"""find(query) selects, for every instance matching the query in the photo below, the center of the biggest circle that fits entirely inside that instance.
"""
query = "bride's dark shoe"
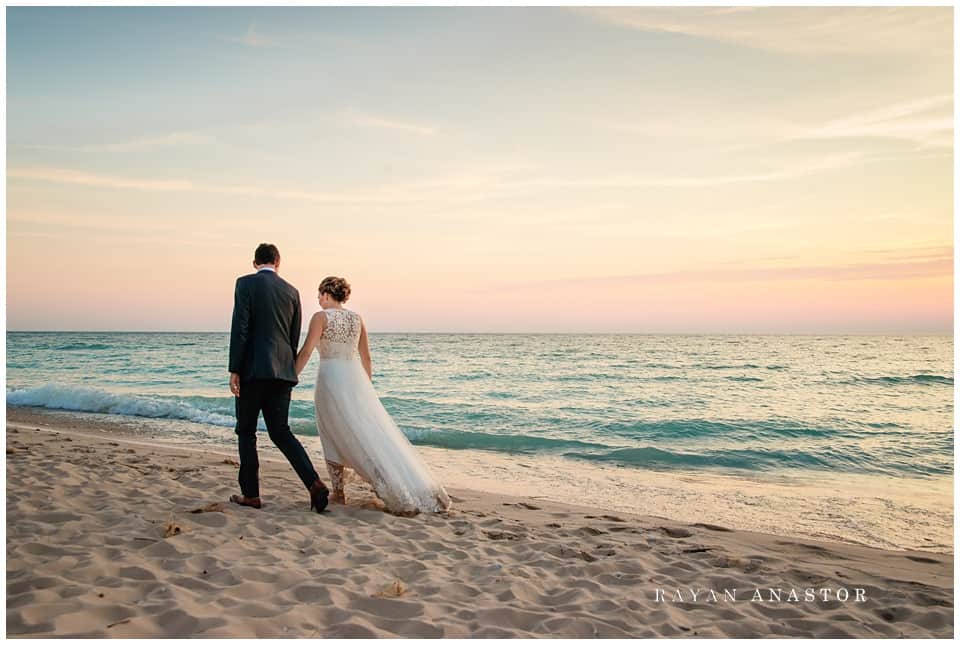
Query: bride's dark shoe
(253, 502)
(319, 496)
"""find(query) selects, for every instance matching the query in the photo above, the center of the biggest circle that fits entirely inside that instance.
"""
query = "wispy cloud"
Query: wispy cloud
(799, 30)
(173, 139)
(252, 38)
(729, 10)
(454, 188)
(927, 121)
(705, 126)
(296, 42)
(800, 169)
(369, 121)
(913, 253)
(893, 269)
(66, 176)
(387, 194)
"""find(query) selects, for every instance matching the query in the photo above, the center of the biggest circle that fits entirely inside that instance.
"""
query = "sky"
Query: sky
(638, 169)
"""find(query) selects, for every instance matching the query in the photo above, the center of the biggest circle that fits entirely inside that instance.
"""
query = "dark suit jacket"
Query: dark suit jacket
(265, 329)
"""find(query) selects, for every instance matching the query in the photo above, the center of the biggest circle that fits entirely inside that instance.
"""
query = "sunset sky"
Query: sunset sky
(664, 170)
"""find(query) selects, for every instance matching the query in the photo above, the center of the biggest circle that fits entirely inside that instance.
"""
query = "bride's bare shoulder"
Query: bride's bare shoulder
(363, 325)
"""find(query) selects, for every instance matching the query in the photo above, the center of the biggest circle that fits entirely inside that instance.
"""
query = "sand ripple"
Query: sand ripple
(87, 556)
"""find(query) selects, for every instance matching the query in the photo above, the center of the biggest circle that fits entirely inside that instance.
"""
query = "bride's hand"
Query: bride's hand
(315, 331)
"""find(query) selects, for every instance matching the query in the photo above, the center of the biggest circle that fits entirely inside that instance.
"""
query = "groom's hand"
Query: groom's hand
(235, 383)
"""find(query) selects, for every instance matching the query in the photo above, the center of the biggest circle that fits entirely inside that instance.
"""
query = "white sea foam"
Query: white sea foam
(83, 399)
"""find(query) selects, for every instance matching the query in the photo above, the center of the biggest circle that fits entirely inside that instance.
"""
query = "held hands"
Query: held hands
(235, 383)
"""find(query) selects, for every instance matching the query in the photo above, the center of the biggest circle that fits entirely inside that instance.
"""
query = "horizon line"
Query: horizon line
(517, 333)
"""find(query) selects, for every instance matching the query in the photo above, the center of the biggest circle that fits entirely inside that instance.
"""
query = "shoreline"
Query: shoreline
(861, 509)
(93, 550)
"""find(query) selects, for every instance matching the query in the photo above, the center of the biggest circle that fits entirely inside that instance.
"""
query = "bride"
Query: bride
(355, 429)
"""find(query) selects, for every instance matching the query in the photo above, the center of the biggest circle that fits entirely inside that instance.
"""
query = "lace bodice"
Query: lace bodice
(341, 334)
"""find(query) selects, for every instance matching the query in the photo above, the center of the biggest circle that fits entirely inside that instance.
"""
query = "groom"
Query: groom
(263, 345)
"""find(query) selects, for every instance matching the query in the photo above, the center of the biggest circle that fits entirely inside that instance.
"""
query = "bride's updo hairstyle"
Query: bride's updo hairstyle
(338, 288)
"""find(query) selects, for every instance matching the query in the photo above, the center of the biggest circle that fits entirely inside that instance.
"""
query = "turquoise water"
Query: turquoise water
(854, 404)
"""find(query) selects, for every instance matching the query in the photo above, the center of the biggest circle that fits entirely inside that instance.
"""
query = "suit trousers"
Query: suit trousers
(272, 397)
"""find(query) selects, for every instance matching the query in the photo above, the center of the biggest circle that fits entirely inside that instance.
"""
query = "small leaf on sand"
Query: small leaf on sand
(215, 507)
(529, 507)
(393, 590)
(675, 531)
(727, 562)
(589, 530)
(171, 529)
(232, 462)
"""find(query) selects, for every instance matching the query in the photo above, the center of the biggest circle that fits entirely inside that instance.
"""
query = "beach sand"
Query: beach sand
(103, 541)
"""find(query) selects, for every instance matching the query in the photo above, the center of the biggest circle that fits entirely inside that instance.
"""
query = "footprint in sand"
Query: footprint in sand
(920, 558)
(612, 518)
(562, 551)
(136, 573)
(675, 532)
(894, 614)
(605, 550)
(502, 535)
(589, 530)
(712, 527)
(926, 600)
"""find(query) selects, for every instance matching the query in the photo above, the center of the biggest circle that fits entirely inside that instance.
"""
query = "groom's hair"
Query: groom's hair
(266, 254)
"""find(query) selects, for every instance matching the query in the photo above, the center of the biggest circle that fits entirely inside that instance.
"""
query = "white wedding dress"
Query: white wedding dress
(356, 431)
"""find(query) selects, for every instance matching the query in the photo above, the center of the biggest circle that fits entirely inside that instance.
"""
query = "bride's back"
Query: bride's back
(341, 334)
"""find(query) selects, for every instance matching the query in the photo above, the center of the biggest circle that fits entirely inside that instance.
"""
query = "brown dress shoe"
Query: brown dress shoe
(252, 502)
(319, 495)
